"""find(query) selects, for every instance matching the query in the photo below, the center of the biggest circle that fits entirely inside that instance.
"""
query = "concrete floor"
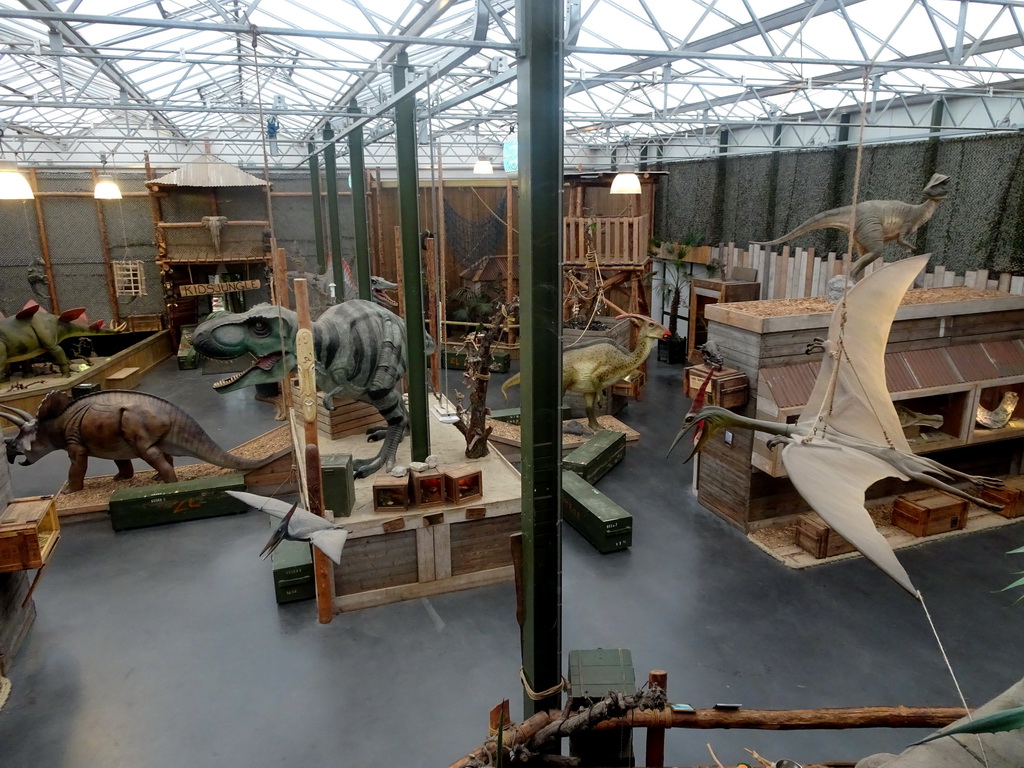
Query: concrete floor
(164, 647)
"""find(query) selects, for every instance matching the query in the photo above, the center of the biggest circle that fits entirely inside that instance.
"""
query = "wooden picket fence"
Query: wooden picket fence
(796, 273)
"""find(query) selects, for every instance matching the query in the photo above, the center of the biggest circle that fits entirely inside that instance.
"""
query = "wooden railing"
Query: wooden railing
(610, 240)
(796, 273)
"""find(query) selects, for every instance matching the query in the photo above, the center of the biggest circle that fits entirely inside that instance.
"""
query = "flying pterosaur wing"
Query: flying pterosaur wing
(304, 525)
(861, 405)
(833, 479)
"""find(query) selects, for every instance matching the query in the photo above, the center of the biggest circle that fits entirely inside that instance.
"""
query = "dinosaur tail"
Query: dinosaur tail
(513, 381)
(191, 440)
(837, 218)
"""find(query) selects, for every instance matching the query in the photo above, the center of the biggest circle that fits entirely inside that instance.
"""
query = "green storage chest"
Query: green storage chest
(175, 502)
(592, 675)
(293, 570)
(600, 520)
(597, 456)
(339, 483)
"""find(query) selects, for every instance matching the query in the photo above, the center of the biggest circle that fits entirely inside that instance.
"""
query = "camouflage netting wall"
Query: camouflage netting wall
(72, 230)
(760, 197)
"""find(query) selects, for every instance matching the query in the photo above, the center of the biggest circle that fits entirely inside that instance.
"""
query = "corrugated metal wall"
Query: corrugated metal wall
(979, 226)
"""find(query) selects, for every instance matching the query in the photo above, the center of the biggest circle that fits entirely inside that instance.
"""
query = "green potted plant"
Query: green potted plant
(673, 283)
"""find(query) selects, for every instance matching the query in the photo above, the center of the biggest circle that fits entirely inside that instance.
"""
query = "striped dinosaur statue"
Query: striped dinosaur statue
(360, 355)
(877, 222)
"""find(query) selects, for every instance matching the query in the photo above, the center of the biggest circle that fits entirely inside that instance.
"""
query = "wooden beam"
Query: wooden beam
(279, 286)
(44, 244)
(108, 268)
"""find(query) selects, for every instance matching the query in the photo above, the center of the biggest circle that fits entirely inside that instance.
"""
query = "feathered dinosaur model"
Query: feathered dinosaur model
(33, 331)
(848, 435)
(114, 424)
(591, 369)
(877, 222)
(360, 354)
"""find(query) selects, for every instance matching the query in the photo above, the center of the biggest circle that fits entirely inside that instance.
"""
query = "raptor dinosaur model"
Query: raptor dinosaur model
(114, 424)
(360, 355)
(877, 222)
(33, 331)
(848, 435)
(590, 369)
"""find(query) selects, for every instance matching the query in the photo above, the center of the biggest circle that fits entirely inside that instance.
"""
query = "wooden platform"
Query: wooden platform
(404, 554)
(509, 434)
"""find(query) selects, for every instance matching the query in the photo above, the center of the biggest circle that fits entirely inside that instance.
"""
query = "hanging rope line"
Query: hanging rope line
(254, 31)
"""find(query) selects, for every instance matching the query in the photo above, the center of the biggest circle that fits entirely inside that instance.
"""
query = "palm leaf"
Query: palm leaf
(1004, 720)
(1017, 583)
(1017, 551)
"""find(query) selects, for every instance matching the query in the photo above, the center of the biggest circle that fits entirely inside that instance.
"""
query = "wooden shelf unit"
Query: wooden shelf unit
(945, 356)
(705, 292)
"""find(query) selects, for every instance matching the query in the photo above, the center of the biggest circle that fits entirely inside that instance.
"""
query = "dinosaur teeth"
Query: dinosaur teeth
(264, 363)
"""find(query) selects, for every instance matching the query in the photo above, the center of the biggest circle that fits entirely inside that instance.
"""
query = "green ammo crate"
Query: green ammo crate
(339, 483)
(81, 390)
(592, 675)
(175, 502)
(293, 570)
(599, 520)
(597, 456)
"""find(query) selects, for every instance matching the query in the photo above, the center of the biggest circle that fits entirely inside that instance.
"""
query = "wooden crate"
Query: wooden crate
(338, 483)
(596, 457)
(145, 322)
(348, 417)
(17, 615)
(815, 536)
(728, 388)
(427, 488)
(123, 378)
(462, 484)
(600, 520)
(593, 673)
(1011, 496)
(175, 502)
(29, 531)
(390, 493)
(480, 545)
(377, 562)
(926, 513)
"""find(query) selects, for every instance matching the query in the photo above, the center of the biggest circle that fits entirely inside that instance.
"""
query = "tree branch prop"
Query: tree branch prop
(472, 423)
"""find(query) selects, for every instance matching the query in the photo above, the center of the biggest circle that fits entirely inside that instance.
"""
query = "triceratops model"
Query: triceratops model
(360, 355)
(114, 424)
(34, 330)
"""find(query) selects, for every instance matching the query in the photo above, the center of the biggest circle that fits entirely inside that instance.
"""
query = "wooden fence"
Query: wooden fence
(616, 241)
(796, 273)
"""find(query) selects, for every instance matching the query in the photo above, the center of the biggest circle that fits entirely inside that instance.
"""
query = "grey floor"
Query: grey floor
(164, 647)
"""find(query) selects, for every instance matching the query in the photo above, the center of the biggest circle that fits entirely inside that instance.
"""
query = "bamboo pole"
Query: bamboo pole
(108, 268)
(279, 286)
(44, 244)
(306, 365)
(508, 240)
(431, 271)
(398, 270)
(378, 251)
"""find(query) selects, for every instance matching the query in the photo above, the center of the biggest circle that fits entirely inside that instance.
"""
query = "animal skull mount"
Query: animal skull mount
(215, 224)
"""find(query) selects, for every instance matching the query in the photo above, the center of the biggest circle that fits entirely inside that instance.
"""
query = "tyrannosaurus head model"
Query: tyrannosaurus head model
(266, 332)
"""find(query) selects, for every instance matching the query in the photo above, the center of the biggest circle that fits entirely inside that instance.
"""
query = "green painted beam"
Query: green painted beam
(540, 276)
(318, 210)
(361, 228)
(412, 277)
(333, 217)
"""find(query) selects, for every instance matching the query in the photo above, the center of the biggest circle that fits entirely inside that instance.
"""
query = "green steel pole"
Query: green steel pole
(361, 228)
(318, 211)
(540, 279)
(333, 217)
(412, 277)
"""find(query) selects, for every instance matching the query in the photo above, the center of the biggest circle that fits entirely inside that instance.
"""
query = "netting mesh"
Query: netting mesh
(469, 240)
(979, 226)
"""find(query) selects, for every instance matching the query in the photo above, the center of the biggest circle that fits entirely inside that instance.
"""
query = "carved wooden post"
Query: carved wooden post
(655, 757)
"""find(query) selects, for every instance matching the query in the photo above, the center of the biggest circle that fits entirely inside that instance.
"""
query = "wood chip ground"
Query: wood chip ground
(818, 304)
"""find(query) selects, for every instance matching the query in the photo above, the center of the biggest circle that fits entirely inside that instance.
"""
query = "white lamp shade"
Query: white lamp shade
(625, 184)
(106, 188)
(13, 186)
(483, 167)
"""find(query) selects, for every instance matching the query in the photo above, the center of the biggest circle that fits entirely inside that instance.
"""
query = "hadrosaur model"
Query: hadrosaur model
(590, 369)
(848, 435)
(360, 354)
(33, 331)
(114, 424)
(877, 222)
(297, 524)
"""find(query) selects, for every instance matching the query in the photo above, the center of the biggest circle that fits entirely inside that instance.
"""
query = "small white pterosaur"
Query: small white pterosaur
(297, 524)
(848, 435)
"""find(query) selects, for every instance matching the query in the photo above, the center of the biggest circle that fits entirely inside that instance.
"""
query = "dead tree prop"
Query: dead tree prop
(478, 345)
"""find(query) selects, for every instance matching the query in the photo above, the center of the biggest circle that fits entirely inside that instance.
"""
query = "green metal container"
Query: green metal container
(597, 456)
(175, 502)
(339, 483)
(600, 520)
(593, 674)
(293, 570)
(81, 390)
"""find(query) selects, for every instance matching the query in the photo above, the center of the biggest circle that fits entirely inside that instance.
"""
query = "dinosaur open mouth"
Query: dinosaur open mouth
(264, 363)
(384, 297)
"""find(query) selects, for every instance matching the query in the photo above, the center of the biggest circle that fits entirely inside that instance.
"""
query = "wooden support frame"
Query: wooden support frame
(44, 244)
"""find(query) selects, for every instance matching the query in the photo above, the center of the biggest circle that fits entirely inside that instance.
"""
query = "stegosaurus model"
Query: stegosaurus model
(360, 355)
(877, 222)
(119, 425)
(34, 331)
